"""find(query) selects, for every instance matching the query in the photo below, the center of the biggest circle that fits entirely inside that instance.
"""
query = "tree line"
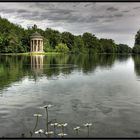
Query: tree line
(136, 48)
(15, 39)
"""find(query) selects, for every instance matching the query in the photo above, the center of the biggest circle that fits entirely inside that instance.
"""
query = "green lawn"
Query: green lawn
(32, 53)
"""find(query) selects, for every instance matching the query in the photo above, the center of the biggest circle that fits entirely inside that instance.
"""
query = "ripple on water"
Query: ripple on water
(4, 113)
(104, 109)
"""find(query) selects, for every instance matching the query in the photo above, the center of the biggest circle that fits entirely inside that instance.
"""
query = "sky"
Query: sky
(117, 21)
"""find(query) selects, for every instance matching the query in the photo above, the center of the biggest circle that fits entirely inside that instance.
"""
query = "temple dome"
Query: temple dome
(36, 35)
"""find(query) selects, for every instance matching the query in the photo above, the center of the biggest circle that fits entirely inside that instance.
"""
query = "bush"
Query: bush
(136, 49)
(61, 48)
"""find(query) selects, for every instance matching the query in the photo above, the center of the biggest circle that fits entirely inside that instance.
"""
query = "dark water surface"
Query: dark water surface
(101, 89)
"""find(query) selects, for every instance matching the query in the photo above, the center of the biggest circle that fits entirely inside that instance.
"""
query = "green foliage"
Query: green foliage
(136, 49)
(91, 43)
(3, 44)
(78, 42)
(89, 40)
(123, 48)
(68, 39)
(53, 36)
(137, 38)
(47, 46)
(62, 48)
(108, 45)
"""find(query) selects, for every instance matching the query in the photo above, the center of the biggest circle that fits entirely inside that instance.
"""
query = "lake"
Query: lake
(100, 89)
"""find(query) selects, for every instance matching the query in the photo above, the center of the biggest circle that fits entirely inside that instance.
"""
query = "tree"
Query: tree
(3, 44)
(137, 38)
(53, 36)
(68, 39)
(47, 46)
(88, 40)
(108, 45)
(91, 42)
(136, 49)
(78, 42)
(62, 48)
(123, 48)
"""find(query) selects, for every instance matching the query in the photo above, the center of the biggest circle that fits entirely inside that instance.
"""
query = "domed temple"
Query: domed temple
(36, 42)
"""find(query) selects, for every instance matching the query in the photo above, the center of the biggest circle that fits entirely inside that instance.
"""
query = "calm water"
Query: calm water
(101, 89)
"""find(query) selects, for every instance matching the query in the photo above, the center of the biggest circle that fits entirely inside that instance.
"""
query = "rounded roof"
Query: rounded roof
(36, 35)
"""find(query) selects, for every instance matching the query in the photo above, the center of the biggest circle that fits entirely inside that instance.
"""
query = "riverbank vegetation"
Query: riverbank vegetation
(15, 39)
(136, 48)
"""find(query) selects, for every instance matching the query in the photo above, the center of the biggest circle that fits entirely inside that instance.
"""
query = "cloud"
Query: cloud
(136, 8)
(7, 11)
(118, 15)
(125, 11)
(112, 9)
(22, 11)
(101, 19)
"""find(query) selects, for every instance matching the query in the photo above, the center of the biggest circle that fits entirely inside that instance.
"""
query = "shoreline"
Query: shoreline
(28, 53)
(58, 53)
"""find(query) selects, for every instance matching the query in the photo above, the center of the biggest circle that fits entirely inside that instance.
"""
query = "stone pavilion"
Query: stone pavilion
(36, 42)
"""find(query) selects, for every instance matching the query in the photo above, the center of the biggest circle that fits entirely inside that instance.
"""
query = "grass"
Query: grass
(32, 53)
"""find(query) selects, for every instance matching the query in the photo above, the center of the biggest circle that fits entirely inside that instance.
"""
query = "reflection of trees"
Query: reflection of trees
(106, 60)
(89, 62)
(136, 59)
(123, 57)
(13, 68)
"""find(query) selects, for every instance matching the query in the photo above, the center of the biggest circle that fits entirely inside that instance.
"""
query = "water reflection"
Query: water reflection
(14, 68)
(136, 59)
(37, 64)
(98, 90)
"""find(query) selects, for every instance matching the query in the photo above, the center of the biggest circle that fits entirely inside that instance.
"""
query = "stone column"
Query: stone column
(30, 45)
(39, 45)
(36, 45)
(42, 45)
(33, 45)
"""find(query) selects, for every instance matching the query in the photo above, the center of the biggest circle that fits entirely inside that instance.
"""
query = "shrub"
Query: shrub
(136, 49)
(61, 48)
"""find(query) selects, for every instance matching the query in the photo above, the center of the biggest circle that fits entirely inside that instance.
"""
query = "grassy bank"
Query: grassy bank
(56, 53)
(33, 53)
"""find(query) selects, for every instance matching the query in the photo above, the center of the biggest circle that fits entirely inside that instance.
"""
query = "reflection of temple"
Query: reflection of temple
(37, 64)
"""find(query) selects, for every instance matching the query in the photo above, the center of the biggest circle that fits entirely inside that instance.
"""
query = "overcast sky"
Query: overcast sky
(118, 21)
